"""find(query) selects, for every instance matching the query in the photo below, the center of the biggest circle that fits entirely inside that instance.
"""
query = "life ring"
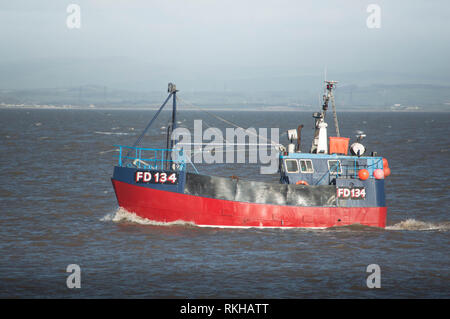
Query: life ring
(302, 183)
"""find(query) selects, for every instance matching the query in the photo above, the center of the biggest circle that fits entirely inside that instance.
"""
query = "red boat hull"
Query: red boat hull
(165, 206)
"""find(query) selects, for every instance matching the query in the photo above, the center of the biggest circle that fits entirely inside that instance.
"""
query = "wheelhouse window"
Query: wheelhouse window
(306, 166)
(291, 165)
(334, 166)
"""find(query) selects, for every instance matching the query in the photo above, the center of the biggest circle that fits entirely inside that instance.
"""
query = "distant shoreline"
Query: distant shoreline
(221, 109)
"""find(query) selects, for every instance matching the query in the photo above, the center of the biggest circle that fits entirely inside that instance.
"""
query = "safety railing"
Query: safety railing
(349, 168)
(151, 158)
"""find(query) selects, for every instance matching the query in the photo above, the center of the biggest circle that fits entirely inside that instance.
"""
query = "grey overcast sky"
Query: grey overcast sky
(217, 44)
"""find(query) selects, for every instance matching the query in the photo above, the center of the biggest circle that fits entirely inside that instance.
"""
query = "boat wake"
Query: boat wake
(412, 224)
(122, 215)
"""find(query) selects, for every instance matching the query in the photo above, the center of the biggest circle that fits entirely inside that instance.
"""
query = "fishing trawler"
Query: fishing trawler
(322, 188)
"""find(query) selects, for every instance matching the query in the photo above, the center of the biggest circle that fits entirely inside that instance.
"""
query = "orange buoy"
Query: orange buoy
(363, 174)
(385, 163)
(302, 183)
(378, 173)
(387, 171)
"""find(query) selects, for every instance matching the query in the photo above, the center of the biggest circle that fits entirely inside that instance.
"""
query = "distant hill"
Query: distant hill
(348, 97)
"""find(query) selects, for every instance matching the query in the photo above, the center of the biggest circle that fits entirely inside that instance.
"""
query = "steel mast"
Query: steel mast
(172, 89)
(326, 97)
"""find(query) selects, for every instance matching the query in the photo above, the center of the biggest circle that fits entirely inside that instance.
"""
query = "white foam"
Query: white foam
(412, 224)
(112, 150)
(122, 215)
(112, 133)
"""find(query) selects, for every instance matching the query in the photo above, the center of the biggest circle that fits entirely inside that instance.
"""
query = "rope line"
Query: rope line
(276, 145)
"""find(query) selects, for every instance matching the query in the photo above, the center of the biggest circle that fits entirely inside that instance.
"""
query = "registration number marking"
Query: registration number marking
(155, 177)
(351, 192)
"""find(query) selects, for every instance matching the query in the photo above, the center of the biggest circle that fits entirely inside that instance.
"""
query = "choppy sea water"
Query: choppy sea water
(57, 207)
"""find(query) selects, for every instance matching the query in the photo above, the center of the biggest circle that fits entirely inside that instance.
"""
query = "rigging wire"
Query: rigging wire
(275, 145)
(148, 125)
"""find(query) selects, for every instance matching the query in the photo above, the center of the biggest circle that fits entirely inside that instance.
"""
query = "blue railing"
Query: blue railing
(151, 158)
(350, 170)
